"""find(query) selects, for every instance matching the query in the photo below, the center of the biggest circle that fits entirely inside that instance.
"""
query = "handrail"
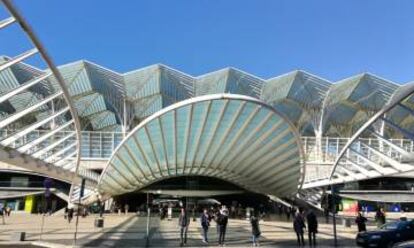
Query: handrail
(402, 95)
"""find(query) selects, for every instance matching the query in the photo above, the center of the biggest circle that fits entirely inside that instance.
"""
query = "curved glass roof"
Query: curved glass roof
(236, 138)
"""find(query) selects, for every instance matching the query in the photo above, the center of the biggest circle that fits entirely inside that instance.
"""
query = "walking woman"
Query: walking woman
(299, 225)
(254, 221)
(360, 221)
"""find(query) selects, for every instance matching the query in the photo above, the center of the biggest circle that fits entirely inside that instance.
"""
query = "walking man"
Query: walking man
(70, 214)
(360, 221)
(312, 227)
(205, 223)
(254, 221)
(298, 226)
(380, 217)
(183, 222)
(222, 220)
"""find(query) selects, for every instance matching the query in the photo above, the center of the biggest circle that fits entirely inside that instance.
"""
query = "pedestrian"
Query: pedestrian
(254, 221)
(66, 213)
(126, 209)
(101, 209)
(193, 212)
(70, 214)
(298, 226)
(287, 212)
(326, 214)
(280, 211)
(233, 211)
(380, 217)
(8, 210)
(205, 223)
(403, 216)
(183, 222)
(312, 227)
(222, 220)
(2, 213)
(360, 221)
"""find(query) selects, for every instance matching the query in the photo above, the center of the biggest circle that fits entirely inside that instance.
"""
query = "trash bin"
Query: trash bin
(346, 222)
(18, 236)
(99, 222)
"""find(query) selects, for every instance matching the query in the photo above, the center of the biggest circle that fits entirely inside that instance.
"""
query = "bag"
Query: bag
(220, 219)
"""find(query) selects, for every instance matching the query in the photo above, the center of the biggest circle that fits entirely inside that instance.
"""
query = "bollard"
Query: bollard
(18, 236)
(346, 222)
(99, 222)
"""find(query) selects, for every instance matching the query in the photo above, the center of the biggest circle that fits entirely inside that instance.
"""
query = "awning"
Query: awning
(235, 138)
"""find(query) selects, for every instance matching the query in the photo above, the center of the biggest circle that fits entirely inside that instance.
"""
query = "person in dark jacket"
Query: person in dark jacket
(312, 227)
(183, 222)
(288, 211)
(222, 220)
(205, 223)
(360, 221)
(380, 217)
(298, 226)
(70, 214)
(254, 221)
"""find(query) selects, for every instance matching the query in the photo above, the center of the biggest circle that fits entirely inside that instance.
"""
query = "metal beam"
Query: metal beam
(7, 141)
(42, 151)
(18, 58)
(25, 86)
(42, 138)
(6, 22)
(18, 115)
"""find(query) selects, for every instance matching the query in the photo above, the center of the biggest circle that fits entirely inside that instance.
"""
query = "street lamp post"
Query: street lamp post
(334, 214)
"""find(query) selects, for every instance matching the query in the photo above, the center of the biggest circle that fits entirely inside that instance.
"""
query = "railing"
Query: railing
(331, 146)
(320, 161)
(100, 145)
(94, 144)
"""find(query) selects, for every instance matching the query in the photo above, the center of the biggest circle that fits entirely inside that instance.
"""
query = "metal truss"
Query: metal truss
(42, 132)
(379, 155)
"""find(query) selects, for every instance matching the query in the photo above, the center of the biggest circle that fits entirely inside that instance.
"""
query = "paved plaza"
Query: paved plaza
(130, 231)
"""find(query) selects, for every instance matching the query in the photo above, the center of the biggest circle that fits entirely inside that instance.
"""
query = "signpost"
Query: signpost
(82, 190)
(334, 214)
(2, 213)
(47, 183)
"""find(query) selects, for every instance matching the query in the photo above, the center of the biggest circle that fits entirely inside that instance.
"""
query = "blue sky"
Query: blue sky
(332, 39)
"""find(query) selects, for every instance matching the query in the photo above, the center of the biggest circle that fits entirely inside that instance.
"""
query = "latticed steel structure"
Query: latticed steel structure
(107, 100)
(175, 124)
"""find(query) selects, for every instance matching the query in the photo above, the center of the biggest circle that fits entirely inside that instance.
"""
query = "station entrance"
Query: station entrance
(194, 193)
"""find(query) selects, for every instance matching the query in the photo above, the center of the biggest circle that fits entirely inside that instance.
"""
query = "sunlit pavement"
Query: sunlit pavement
(130, 231)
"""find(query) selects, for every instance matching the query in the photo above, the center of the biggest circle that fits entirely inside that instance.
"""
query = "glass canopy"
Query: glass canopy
(232, 137)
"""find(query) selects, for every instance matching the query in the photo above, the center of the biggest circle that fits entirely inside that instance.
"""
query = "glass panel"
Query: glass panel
(123, 168)
(157, 141)
(136, 153)
(198, 118)
(206, 137)
(222, 129)
(145, 144)
(168, 130)
(182, 131)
